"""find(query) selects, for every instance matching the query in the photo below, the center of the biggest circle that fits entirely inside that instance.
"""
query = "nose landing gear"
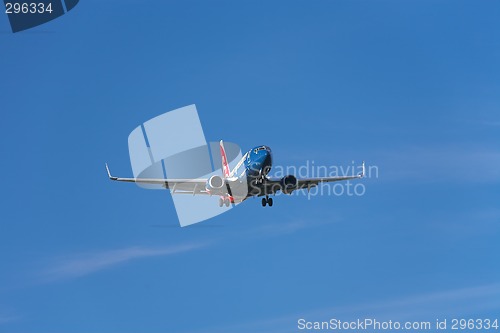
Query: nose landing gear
(267, 201)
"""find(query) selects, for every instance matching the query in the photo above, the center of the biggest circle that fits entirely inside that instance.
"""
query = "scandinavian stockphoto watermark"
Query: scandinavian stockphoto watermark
(310, 169)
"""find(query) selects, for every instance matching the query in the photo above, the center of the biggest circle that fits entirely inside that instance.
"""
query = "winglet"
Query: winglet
(362, 174)
(109, 173)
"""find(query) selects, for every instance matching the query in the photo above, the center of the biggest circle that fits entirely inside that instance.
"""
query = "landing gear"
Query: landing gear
(267, 201)
(224, 201)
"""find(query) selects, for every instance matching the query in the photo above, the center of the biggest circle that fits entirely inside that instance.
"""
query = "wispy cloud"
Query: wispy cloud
(84, 264)
(4, 318)
(78, 265)
(461, 301)
(437, 164)
(491, 123)
(466, 223)
(430, 306)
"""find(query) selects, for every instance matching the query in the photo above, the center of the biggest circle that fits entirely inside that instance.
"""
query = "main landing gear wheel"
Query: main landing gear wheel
(224, 201)
(267, 201)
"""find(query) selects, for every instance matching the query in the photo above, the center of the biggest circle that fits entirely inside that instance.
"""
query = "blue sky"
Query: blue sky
(409, 86)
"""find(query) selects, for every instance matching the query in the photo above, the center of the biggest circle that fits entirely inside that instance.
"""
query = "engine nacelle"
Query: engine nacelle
(289, 184)
(215, 184)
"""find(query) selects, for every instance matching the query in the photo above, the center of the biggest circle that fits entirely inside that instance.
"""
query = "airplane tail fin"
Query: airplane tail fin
(225, 165)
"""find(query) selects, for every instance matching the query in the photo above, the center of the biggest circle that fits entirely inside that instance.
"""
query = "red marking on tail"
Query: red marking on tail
(225, 165)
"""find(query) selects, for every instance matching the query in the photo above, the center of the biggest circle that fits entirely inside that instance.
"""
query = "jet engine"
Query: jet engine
(289, 184)
(215, 184)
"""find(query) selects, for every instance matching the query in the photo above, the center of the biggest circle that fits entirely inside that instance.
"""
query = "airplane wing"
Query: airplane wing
(178, 186)
(271, 185)
(309, 182)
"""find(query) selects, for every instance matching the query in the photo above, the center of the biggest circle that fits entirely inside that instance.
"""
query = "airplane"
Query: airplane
(249, 178)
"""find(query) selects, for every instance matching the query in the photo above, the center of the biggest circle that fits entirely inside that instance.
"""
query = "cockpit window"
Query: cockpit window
(259, 149)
